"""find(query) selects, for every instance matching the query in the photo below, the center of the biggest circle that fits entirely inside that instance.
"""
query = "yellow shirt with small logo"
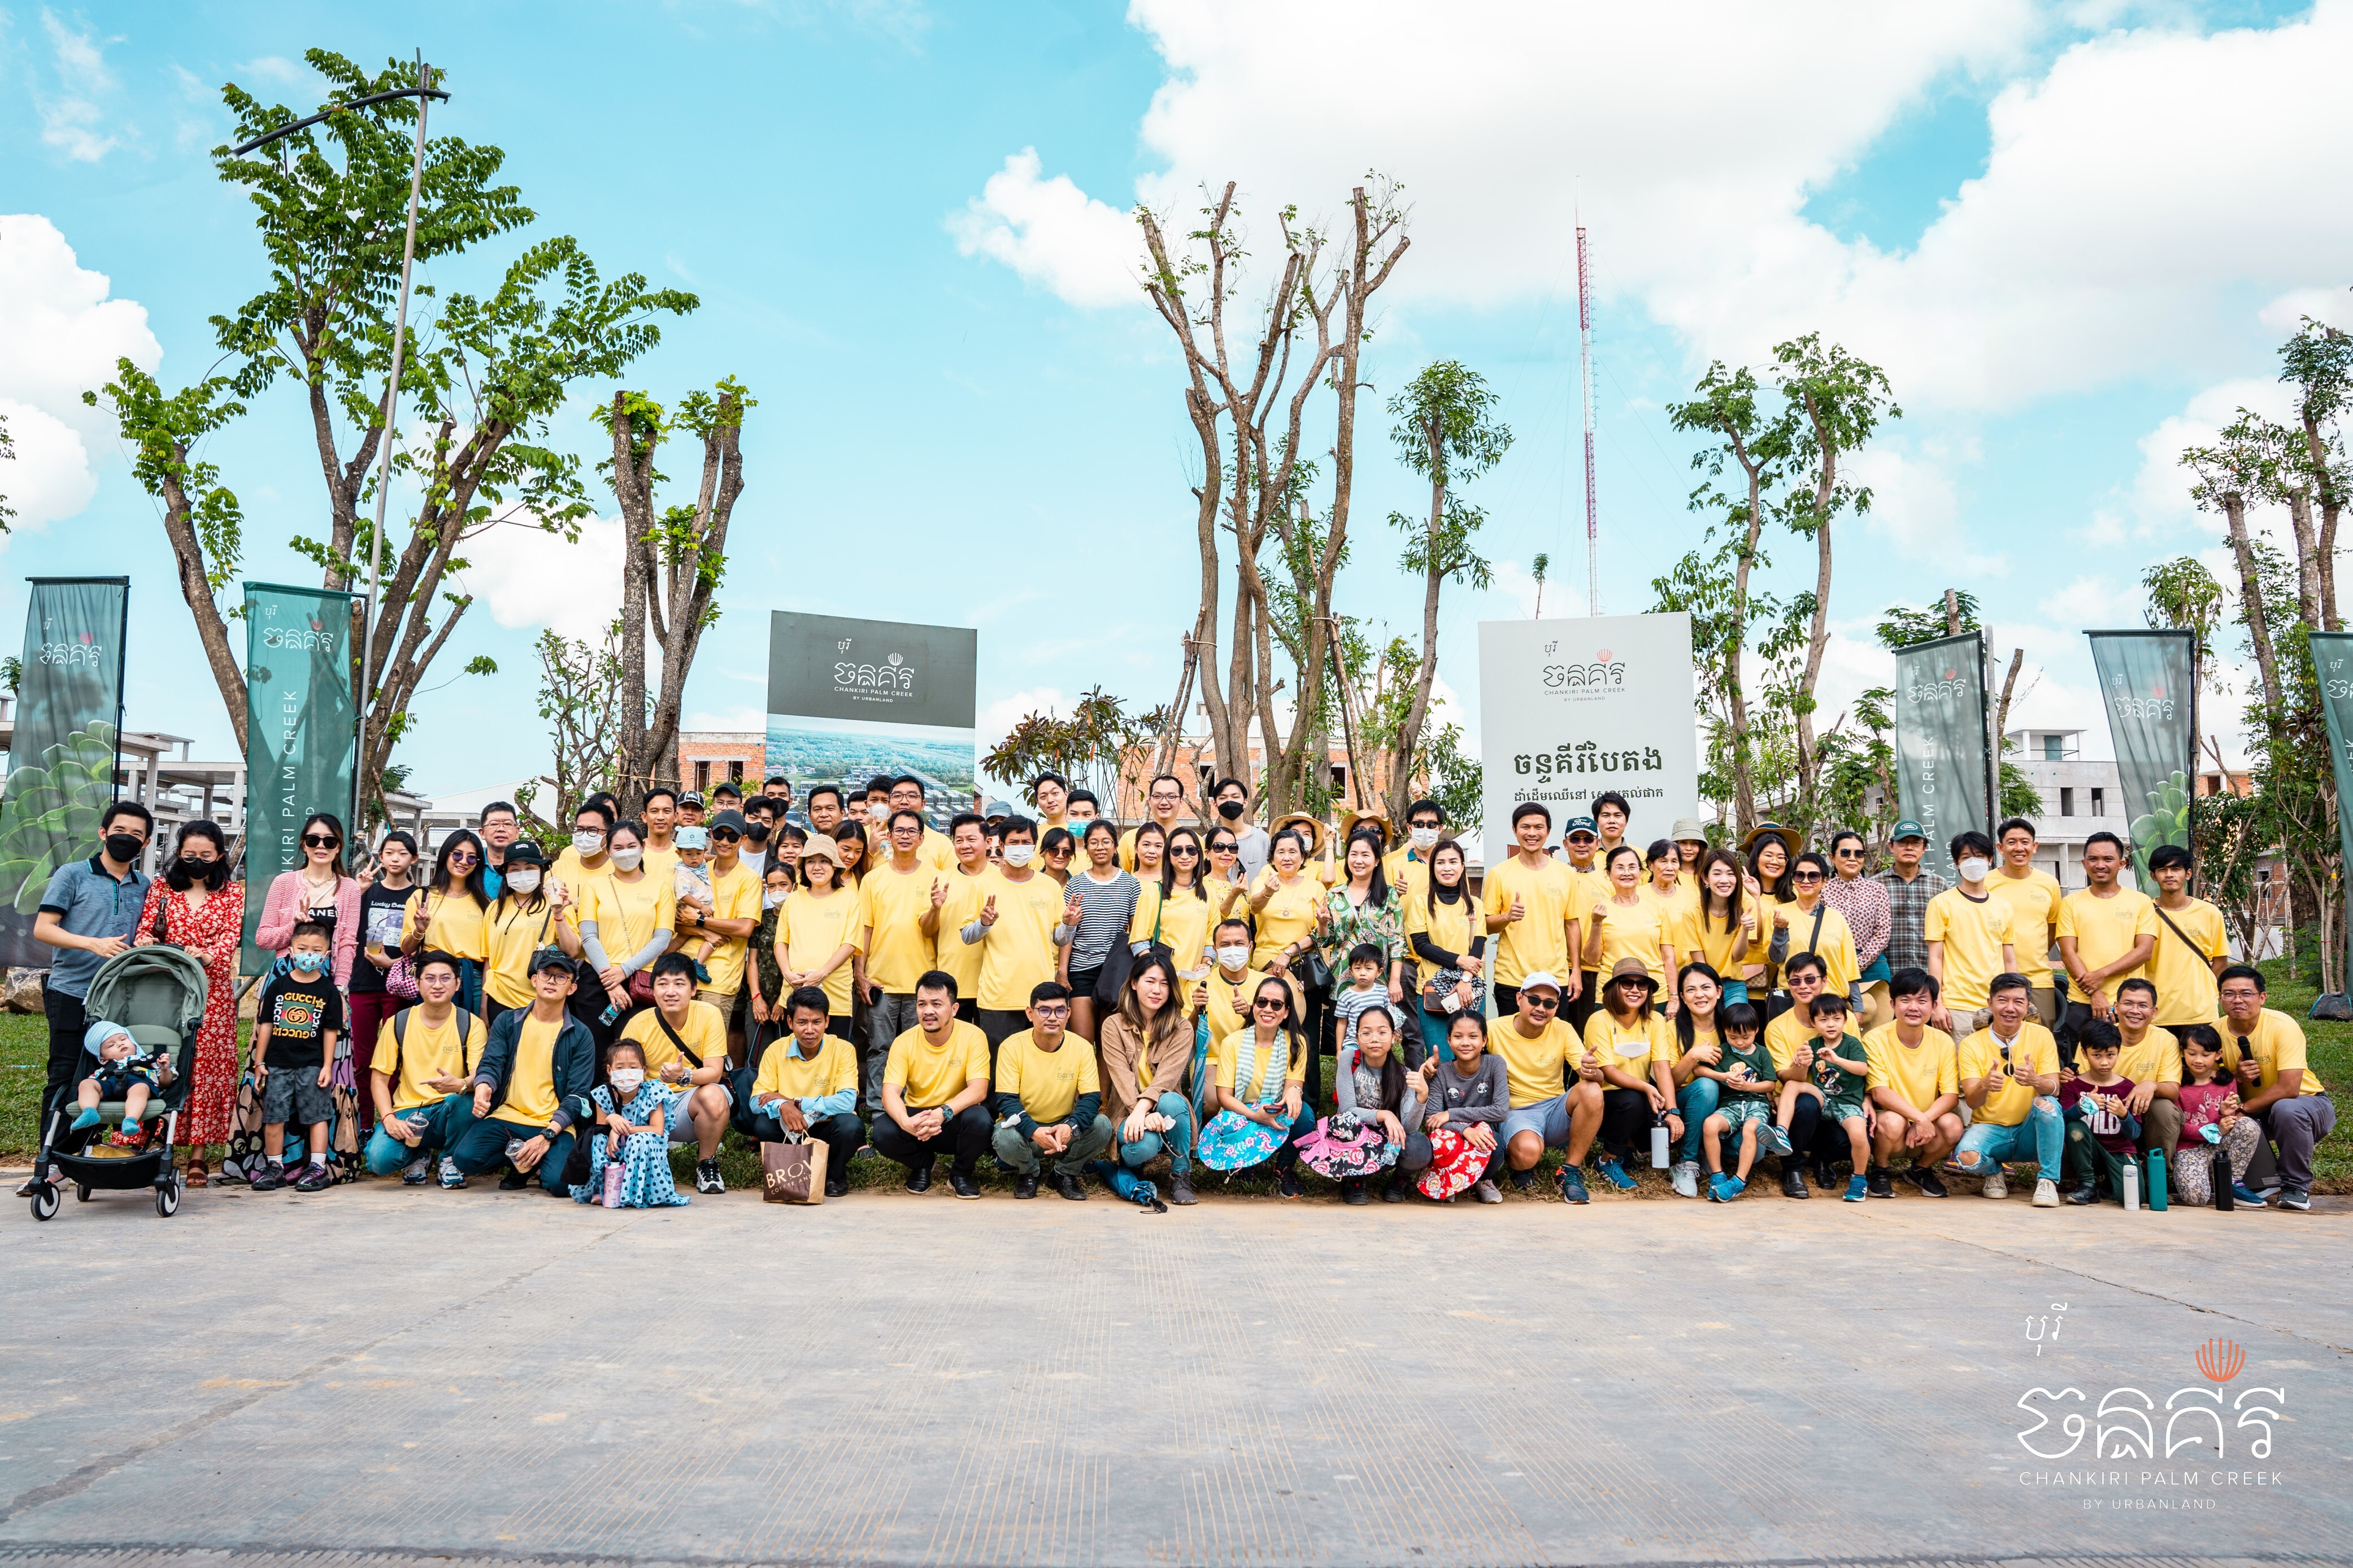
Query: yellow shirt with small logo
(1048, 1082)
(2277, 1044)
(530, 1085)
(1537, 941)
(705, 1032)
(1972, 931)
(1536, 1069)
(2183, 972)
(833, 1069)
(1919, 1073)
(2106, 930)
(2034, 901)
(2157, 1060)
(2033, 1055)
(928, 1076)
(1632, 1048)
(432, 1051)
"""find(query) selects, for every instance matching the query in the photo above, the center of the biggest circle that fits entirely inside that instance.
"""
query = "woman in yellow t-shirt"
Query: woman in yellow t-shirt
(1445, 930)
(1626, 924)
(521, 920)
(1767, 884)
(446, 915)
(1667, 886)
(626, 917)
(1635, 1048)
(1719, 926)
(1285, 899)
(814, 935)
(1222, 878)
(1174, 908)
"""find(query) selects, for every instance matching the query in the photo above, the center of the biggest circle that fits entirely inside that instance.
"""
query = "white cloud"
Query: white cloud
(1053, 234)
(277, 68)
(527, 577)
(2160, 489)
(71, 120)
(49, 478)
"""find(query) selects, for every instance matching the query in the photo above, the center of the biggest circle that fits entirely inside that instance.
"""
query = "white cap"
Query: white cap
(1543, 978)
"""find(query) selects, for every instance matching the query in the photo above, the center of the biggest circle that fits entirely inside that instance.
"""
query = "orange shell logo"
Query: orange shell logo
(2221, 1360)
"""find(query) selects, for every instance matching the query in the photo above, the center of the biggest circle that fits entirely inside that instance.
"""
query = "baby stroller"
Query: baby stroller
(157, 993)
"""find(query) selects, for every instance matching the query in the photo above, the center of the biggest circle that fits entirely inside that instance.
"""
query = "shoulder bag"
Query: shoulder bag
(400, 980)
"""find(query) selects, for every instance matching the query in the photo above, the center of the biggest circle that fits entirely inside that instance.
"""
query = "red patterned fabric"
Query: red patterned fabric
(213, 934)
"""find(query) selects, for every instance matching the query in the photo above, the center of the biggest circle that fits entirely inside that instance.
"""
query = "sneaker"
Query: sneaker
(269, 1178)
(919, 1180)
(1180, 1192)
(1875, 1182)
(1026, 1185)
(1353, 1194)
(1777, 1140)
(1487, 1192)
(961, 1184)
(1996, 1186)
(1287, 1186)
(1572, 1185)
(1716, 1180)
(415, 1172)
(1394, 1192)
(314, 1179)
(2245, 1197)
(1857, 1189)
(1523, 1180)
(1925, 1180)
(1733, 1187)
(706, 1177)
(1069, 1187)
(2085, 1194)
(1685, 1177)
(1615, 1174)
(2293, 1198)
(452, 1178)
(2046, 1193)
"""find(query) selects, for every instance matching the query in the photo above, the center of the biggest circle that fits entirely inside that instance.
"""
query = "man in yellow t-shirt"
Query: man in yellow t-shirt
(1164, 799)
(2193, 945)
(2276, 1084)
(2034, 898)
(2151, 1058)
(2106, 932)
(808, 1084)
(1408, 866)
(1531, 900)
(531, 1086)
(1580, 851)
(734, 916)
(935, 849)
(969, 834)
(2010, 1079)
(1786, 1040)
(1048, 1098)
(684, 1043)
(1553, 1083)
(1914, 1087)
(1020, 932)
(1972, 932)
(934, 1092)
(424, 1063)
(897, 927)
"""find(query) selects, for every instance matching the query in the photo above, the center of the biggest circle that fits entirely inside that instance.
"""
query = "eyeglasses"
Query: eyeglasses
(320, 841)
(1052, 1009)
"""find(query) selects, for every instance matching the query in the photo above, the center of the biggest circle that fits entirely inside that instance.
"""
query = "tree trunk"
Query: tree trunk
(1401, 795)
(2324, 482)
(633, 486)
(2001, 708)
(2307, 554)
(1744, 774)
(2250, 604)
(1819, 640)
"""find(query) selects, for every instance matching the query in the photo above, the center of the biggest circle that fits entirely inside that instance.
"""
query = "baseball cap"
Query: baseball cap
(1907, 828)
(691, 838)
(1541, 980)
(1579, 825)
(551, 957)
(693, 798)
(729, 821)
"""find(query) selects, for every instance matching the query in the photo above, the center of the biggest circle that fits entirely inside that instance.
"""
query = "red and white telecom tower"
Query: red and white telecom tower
(1585, 368)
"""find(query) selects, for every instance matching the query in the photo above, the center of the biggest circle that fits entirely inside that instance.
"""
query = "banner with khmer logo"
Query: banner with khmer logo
(61, 758)
(302, 739)
(1570, 709)
(1942, 762)
(2144, 686)
(851, 698)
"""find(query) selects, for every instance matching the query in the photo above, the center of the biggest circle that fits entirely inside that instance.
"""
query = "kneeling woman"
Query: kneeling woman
(1635, 1048)
(1379, 1099)
(1147, 1046)
(634, 1111)
(1262, 1078)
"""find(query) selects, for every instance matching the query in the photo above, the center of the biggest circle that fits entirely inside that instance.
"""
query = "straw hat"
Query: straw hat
(1313, 826)
(1351, 820)
(1787, 836)
(1633, 969)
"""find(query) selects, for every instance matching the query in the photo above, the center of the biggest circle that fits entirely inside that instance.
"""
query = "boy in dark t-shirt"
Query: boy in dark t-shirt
(295, 1027)
(2102, 1134)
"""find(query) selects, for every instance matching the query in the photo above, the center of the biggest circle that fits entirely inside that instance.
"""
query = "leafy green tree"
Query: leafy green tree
(2241, 467)
(2318, 360)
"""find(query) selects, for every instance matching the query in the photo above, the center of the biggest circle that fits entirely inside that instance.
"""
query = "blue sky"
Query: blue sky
(2075, 236)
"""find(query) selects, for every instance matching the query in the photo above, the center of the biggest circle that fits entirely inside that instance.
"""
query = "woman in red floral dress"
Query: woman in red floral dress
(202, 910)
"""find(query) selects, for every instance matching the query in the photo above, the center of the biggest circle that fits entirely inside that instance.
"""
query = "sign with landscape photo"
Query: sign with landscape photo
(851, 698)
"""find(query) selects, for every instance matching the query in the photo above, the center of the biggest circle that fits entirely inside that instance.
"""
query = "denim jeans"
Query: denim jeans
(1695, 1103)
(1984, 1147)
(1178, 1140)
(442, 1121)
(1024, 1158)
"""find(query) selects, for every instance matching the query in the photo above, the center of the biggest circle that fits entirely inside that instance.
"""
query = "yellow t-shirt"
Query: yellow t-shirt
(705, 1032)
(831, 1071)
(1784, 1034)
(950, 951)
(2034, 901)
(1919, 1073)
(1018, 950)
(810, 930)
(1703, 938)
(1048, 1082)
(2157, 1060)
(1538, 940)
(512, 934)
(891, 905)
(430, 1053)
(1973, 931)
(928, 1076)
(1632, 1048)
(1536, 1067)
(1632, 931)
(454, 923)
(1679, 905)
(1217, 888)
(1271, 1066)
(2031, 1054)
(734, 896)
(629, 913)
(2184, 973)
(1183, 925)
(1288, 916)
(2105, 928)
(661, 861)
(937, 850)
(2277, 1044)
(1835, 947)
(530, 1085)
(1407, 870)
(1452, 925)
(1228, 1008)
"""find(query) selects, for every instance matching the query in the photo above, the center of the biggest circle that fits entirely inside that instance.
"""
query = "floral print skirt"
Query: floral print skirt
(1348, 1145)
(1454, 1165)
(1232, 1142)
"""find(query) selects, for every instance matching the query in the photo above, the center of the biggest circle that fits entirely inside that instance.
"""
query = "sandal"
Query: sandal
(195, 1175)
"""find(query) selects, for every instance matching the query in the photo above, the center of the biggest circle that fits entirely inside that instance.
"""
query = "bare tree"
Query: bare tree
(2319, 361)
(579, 696)
(2240, 464)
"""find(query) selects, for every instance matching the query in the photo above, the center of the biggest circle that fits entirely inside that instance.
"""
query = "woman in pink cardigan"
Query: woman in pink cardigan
(320, 890)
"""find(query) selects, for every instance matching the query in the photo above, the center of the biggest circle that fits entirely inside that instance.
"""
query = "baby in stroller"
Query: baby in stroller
(122, 1073)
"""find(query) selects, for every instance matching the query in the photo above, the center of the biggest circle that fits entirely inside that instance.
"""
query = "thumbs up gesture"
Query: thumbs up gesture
(1519, 910)
(988, 910)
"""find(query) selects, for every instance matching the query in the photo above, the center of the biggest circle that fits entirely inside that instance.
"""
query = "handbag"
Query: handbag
(792, 1171)
(1120, 962)
(400, 980)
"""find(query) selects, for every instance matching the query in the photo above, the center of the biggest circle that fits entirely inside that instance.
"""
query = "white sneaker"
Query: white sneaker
(1685, 1177)
(1488, 1193)
(1998, 1184)
(2046, 1193)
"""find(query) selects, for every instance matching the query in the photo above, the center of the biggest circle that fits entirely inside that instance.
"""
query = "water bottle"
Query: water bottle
(2157, 1177)
(2132, 1184)
(2221, 1165)
(612, 1184)
(612, 1011)
(1658, 1143)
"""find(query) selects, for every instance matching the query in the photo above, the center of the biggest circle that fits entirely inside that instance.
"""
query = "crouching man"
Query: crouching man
(808, 1085)
(1049, 1098)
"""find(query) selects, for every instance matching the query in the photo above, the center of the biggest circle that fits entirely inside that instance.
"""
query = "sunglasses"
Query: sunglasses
(1807, 876)
(320, 841)
(1187, 850)
(462, 857)
(1275, 1002)
(1539, 1000)
(1850, 854)
(724, 837)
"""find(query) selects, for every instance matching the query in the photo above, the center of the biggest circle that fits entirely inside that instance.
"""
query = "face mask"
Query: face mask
(878, 815)
(627, 859)
(772, 898)
(1231, 810)
(124, 845)
(523, 880)
(587, 844)
(1018, 855)
(1974, 869)
(211, 873)
(625, 1081)
(309, 963)
(757, 832)
(1424, 837)
(1233, 957)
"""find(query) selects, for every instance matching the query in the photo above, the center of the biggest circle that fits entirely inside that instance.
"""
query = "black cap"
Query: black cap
(727, 822)
(524, 852)
(550, 957)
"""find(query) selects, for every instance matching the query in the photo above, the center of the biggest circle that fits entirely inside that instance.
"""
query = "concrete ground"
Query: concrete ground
(380, 1375)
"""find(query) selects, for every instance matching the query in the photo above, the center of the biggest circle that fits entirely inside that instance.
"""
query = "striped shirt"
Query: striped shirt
(1104, 911)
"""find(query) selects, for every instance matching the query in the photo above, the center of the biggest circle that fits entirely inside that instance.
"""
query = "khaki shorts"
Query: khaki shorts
(2046, 1005)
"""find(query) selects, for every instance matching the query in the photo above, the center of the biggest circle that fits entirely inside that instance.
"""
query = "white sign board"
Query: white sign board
(1570, 709)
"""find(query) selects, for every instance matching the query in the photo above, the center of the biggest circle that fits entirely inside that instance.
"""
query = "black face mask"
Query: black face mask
(187, 873)
(1231, 810)
(124, 847)
(758, 832)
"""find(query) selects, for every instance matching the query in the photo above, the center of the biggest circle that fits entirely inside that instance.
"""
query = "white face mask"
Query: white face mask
(523, 880)
(1974, 869)
(878, 815)
(1424, 837)
(627, 1080)
(772, 898)
(627, 859)
(1018, 855)
(1233, 957)
(588, 843)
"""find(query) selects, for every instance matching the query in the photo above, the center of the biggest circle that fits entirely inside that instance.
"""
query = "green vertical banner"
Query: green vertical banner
(2332, 662)
(2145, 684)
(1943, 768)
(61, 760)
(301, 732)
